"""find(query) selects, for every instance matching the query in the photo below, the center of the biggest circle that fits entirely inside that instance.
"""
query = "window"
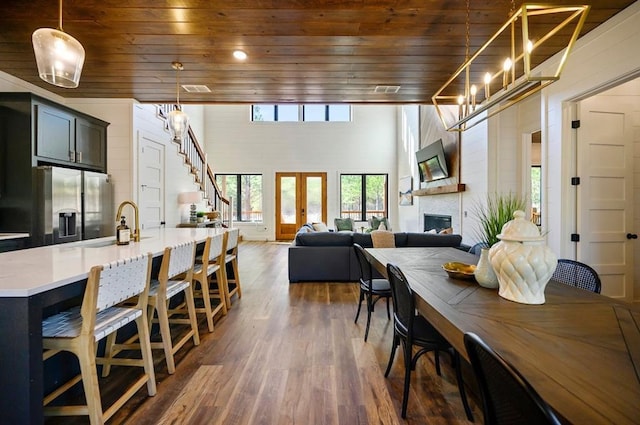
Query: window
(363, 196)
(245, 191)
(296, 113)
(334, 113)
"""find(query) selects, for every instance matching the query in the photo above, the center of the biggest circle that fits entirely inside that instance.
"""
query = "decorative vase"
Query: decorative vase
(522, 261)
(484, 273)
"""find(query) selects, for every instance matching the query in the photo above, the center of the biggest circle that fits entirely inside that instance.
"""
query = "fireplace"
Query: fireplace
(438, 222)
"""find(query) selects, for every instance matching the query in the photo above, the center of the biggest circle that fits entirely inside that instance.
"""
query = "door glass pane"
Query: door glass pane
(376, 192)
(288, 200)
(314, 199)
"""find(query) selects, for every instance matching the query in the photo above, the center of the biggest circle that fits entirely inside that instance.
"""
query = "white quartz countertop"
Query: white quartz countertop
(31, 271)
(5, 236)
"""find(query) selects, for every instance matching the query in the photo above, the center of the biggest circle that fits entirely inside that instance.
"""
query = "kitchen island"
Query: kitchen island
(35, 283)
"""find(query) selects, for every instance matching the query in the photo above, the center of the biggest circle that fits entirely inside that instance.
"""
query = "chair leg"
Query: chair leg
(393, 354)
(145, 350)
(191, 308)
(236, 275)
(407, 378)
(108, 353)
(436, 354)
(388, 311)
(206, 299)
(359, 305)
(369, 310)
(86, 356)
(165, 332)
(463, 393)
(219, 282)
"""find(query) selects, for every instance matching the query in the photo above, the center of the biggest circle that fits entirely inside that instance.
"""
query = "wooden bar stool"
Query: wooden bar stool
(79, 329)
(231, 257)
(177, 261)
(212, 259)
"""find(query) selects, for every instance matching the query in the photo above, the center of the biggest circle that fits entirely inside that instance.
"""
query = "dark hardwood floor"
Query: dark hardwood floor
(288, 354)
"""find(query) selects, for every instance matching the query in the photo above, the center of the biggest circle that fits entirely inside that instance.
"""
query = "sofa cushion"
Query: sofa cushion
(431, 240)
(324, 239)
(401, 239)
(383, 239)
(320, 227)
(363, 239)
(343, 224)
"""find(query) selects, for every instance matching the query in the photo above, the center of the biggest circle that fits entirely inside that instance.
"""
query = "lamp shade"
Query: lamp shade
(178, 123)
(59, 57)
(189, 197)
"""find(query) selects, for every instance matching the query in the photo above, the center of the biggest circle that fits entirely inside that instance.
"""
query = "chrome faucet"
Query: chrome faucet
(135, 235)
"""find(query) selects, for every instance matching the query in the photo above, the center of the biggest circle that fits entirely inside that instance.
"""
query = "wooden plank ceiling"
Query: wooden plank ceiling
(303, 51)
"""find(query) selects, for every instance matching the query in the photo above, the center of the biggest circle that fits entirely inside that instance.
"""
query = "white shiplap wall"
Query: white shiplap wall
(367, 144)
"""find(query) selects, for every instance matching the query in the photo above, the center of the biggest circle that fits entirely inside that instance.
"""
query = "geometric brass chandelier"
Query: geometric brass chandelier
(481, 88)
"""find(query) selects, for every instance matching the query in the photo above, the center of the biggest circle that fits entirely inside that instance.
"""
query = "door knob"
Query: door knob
(632, 236)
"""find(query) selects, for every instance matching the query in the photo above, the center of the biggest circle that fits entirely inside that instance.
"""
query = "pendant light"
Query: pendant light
(177, 121)
(59, 56)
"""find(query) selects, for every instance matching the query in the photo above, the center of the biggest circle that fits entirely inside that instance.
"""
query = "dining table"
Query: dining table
(579, 350)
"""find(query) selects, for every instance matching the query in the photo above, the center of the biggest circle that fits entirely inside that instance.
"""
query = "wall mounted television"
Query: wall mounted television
(432, 162)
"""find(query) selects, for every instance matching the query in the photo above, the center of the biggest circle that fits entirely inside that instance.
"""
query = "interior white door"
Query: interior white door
(605, 193)
(151, 182)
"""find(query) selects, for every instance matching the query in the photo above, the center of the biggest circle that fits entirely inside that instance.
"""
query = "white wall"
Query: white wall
(605, 55)
(408, 143)
(366, 145)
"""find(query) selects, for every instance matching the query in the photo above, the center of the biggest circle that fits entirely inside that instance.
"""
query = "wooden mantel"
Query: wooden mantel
(439, 190)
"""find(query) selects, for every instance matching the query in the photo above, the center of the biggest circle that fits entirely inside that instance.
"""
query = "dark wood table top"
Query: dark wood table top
(579, 350)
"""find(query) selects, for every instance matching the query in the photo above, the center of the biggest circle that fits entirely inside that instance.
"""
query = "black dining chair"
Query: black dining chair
(414, 330)
(371, 289)
(575, 273)
(507, 397)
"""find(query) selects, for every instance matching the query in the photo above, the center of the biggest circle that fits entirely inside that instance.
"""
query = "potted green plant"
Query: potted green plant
(200, 216)
(492, 215)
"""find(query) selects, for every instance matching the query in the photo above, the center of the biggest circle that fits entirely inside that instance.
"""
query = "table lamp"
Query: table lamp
(190, 198)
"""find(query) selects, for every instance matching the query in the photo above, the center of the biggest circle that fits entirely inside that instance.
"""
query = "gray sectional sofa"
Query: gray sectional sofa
(329, 256)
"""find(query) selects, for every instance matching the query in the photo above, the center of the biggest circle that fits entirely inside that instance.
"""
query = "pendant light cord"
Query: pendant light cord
(178, 87)
(468, 30)
(60, 16)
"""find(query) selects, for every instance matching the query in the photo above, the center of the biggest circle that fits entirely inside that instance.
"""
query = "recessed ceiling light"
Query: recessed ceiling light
(240, 54)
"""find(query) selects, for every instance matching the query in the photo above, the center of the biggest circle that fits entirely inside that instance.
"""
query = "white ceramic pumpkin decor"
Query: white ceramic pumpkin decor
(522, 261)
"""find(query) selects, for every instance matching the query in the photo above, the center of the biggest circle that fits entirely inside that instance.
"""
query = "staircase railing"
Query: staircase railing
(196, 159)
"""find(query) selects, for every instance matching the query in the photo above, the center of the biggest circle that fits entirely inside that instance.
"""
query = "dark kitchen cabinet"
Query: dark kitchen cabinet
(35, 131)
(64, 137)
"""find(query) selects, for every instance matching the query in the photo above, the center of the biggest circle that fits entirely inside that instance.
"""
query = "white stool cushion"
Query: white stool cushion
(173, 287)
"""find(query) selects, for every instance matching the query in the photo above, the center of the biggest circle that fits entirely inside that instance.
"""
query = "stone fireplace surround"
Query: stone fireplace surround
(441, 205)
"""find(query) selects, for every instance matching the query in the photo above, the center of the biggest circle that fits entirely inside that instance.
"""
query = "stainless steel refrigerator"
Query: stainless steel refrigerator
(73, 205)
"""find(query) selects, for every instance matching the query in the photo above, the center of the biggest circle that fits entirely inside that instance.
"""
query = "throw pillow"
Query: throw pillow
(382, 226)
(383, 239)
(447, 231)
(320, 227)
(343, 224)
